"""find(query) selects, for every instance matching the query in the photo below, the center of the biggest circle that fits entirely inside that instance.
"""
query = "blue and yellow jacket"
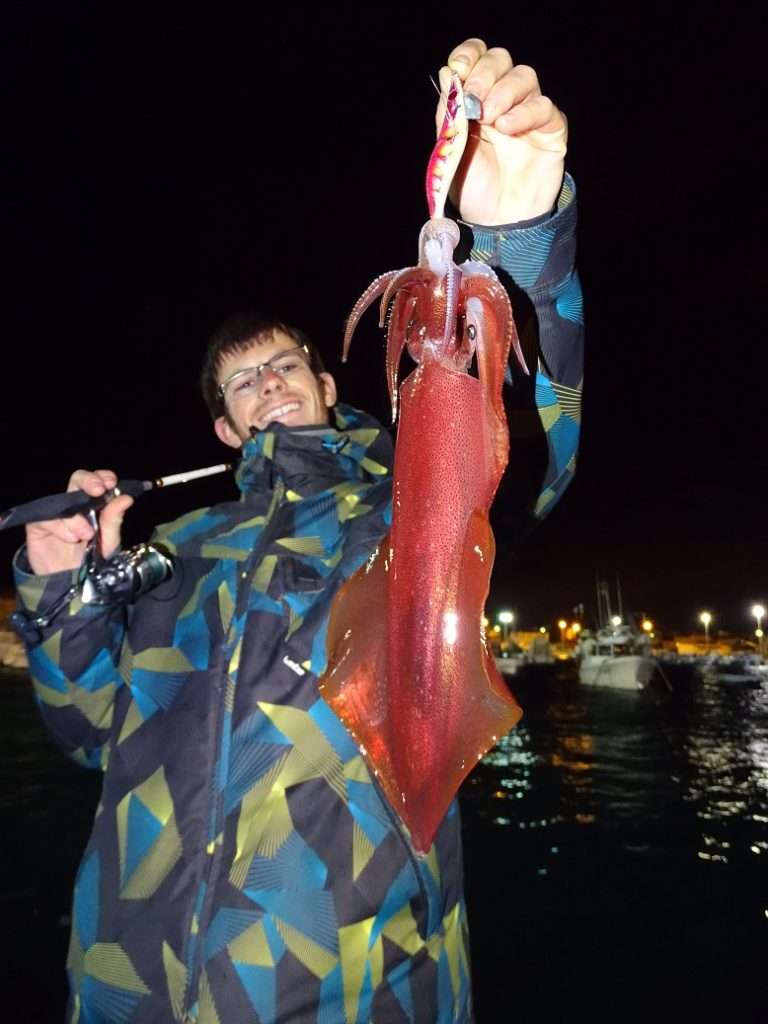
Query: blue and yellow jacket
(243, 864)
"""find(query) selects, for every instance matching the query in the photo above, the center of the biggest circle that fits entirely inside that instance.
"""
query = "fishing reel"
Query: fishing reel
(124, 577)
(103, 582)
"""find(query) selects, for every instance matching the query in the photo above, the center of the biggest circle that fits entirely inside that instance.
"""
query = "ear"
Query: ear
(226, 432)
(328, 384)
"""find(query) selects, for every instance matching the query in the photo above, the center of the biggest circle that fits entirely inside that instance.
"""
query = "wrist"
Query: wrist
(521, 206)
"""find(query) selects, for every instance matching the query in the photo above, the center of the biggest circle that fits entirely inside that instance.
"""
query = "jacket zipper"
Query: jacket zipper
(412, 855)
(194, 960)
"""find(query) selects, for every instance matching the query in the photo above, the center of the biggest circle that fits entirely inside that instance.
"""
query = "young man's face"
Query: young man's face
(285, 392)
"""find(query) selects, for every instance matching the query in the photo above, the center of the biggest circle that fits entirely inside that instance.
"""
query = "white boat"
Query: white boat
(540, 651)
(617, 657)
(747, 670)
(508, 662)
(755, 664)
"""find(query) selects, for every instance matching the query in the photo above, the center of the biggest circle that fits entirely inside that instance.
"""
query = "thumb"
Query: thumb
(110, 523)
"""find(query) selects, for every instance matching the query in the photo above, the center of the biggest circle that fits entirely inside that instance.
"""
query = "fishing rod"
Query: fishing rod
(73, 503)
(121, 579)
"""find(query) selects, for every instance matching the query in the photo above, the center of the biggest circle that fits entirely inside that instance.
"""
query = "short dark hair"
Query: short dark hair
(237, 333)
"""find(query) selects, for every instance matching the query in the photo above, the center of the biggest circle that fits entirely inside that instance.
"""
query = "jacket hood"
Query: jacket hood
(315, 458)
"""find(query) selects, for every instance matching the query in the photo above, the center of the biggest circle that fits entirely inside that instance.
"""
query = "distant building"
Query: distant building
(721, 643)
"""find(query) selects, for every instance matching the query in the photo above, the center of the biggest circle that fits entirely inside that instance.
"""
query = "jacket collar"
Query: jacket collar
(312, 459)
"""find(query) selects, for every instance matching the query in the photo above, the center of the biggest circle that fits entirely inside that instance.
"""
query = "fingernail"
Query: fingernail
(472, 107)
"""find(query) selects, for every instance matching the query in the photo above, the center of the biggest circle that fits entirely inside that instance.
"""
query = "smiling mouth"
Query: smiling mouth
(277, 412)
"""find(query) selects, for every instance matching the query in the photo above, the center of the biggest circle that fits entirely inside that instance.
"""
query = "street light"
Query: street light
(561, 625)
(705, 618)
(759, 612)
(616, 621)
(506, 618)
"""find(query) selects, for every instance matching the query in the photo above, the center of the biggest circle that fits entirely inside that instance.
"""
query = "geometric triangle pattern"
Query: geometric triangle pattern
(148, 841)
(244, 865)
(560, 414)
(535, 263)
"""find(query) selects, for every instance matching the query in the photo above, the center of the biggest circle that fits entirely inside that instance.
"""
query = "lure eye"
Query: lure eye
(471, 332)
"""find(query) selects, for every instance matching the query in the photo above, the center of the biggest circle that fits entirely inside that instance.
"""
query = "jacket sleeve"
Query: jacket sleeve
(536, 261)
(73, 661)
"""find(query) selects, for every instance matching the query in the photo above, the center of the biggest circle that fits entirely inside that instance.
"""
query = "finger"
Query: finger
(107, 476)
(111, 522)
(93, 482)
(464, 57)
(115, 510)
(71, 531)
(537, 114)
(516, 85)
(492, 66)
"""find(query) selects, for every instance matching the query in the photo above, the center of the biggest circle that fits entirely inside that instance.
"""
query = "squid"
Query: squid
(409, 671)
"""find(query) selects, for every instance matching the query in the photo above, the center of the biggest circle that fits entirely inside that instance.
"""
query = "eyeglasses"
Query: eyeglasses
(243, 382)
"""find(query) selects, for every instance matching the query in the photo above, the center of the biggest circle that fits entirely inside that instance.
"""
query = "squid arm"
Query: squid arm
(371, 293)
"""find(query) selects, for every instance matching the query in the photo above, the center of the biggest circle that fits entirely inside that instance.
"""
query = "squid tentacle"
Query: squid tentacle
(371, 293)
(492, 342)
(473, 271)
(403, 308)
(405, 277)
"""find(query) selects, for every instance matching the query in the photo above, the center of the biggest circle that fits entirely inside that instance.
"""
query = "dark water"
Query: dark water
(616, 850)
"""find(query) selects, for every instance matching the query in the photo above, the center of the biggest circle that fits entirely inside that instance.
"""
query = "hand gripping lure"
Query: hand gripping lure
(409, 671)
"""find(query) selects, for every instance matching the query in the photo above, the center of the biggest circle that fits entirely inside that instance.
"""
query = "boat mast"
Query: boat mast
(603, 603)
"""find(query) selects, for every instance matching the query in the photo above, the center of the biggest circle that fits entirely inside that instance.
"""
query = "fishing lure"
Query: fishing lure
(409, 670)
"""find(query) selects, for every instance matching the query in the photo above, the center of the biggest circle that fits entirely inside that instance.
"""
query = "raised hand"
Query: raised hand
(59, 544)
(512, 167)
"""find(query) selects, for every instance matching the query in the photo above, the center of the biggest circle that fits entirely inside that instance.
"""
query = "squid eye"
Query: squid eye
(471, 332)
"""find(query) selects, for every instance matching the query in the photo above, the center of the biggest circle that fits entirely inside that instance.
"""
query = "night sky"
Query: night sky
(169, 168)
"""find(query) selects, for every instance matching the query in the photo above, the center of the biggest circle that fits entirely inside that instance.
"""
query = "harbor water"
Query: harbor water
(616, 847)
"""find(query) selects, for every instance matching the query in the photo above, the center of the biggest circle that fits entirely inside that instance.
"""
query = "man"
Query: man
(244, 865)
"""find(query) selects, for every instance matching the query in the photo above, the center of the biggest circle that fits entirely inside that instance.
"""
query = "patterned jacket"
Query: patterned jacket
(243, 865)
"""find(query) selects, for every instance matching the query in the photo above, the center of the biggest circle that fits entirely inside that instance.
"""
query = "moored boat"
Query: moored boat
(746, 670)
(617, 657)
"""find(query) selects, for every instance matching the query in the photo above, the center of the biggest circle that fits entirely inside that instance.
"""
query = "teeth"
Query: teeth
(281, 410)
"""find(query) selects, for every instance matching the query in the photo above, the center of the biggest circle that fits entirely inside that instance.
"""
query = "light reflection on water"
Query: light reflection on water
(658, 770)
(622, 838)
(615, 851)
